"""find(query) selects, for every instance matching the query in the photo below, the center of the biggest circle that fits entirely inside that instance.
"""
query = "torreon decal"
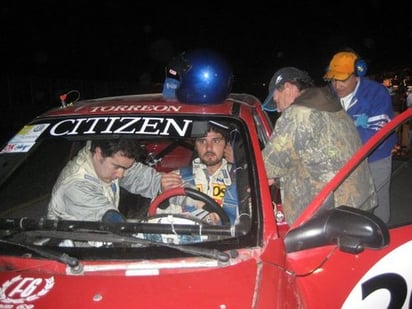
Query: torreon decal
(136, 108)
(120, 125)
(20, 290)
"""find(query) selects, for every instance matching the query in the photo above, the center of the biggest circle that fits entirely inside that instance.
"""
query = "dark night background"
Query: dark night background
(132, 41)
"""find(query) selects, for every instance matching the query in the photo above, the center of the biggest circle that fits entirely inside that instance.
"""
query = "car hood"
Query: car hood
(231, 286)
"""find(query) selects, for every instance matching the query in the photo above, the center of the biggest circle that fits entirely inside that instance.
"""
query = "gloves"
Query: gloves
(362, 121)
(113, 216)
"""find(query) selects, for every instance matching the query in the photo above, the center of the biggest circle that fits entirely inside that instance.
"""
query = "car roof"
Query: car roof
(151, 104)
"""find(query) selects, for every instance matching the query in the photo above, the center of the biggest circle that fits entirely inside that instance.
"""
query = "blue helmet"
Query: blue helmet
(204, 77)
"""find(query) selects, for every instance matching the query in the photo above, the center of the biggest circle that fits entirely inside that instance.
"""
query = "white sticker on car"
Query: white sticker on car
(121, 125)
(25, 138)
(20, 290)
(388, 284)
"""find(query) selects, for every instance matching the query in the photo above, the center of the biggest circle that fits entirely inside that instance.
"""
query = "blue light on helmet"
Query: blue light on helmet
(204, 77)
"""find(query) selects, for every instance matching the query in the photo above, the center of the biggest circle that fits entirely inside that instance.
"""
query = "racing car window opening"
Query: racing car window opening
(27, 191)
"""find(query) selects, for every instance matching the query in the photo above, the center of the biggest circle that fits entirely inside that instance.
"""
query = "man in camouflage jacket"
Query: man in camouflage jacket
(312, 139)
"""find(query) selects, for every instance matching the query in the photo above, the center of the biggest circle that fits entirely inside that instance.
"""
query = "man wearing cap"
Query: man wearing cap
(370, 105)
(312, 139)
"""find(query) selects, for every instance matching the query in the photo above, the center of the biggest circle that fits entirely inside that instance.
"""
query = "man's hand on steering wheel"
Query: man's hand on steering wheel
(170, 180)
(210, 204)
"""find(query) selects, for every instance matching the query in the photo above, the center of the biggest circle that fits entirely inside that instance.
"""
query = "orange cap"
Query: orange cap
(341, 66)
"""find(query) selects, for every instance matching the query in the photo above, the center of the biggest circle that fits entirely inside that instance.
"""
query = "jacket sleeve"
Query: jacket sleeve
(85, 200)
(280, 149)
(377, 104)
(142, 179)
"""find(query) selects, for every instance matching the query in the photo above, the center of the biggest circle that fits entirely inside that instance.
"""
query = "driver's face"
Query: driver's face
(211, 148)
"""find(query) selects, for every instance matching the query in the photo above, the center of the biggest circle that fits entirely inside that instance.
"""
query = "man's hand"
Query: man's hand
(362, 121)
(228, 153)
(274, 181)
(170, 180)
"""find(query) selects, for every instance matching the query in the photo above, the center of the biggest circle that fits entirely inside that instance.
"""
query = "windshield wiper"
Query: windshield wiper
(80, 230)
(70, 261)
(101, 236)
(9, 225)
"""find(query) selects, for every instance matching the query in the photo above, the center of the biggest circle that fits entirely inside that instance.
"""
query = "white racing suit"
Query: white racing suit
(220, 186)
(79, 194)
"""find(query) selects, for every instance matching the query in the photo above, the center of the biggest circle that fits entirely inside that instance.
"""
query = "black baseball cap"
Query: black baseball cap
(288, 74)
(281, 76)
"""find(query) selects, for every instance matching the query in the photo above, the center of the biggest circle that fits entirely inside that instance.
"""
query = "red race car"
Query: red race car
(342, 258)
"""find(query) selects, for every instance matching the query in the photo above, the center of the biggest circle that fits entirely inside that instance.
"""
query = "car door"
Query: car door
(336, 274)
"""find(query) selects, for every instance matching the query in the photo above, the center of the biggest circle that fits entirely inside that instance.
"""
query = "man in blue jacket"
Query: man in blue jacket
(370, 105)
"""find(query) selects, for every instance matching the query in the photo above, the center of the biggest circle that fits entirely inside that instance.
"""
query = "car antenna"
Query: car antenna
(64, 96)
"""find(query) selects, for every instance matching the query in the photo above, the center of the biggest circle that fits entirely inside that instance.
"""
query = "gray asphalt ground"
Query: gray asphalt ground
(401, 190)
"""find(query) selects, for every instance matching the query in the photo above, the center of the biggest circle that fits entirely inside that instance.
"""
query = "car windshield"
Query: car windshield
(32, 161)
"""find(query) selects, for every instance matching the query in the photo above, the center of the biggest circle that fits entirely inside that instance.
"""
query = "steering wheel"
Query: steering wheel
(210, 204)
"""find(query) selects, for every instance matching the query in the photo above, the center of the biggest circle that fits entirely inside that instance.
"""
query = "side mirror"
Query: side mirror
(351, 229)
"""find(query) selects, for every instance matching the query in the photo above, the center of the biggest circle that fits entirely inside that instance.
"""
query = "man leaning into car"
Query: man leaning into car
(88, 186)
(312, 139)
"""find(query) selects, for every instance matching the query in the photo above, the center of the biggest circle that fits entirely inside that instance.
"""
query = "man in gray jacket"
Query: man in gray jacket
(88, 186)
